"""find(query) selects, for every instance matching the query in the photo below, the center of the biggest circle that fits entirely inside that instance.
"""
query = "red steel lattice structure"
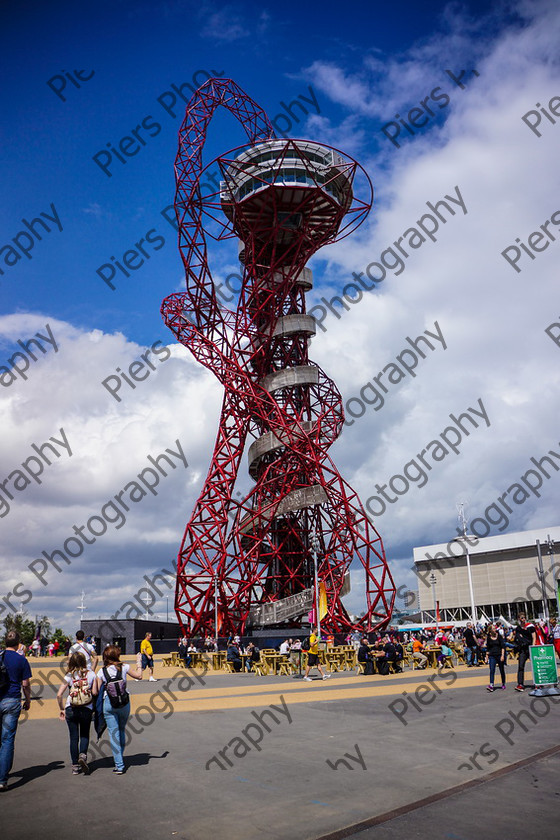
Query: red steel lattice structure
(283, 199)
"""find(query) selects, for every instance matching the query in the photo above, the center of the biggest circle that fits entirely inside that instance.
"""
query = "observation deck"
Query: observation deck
(301, 169)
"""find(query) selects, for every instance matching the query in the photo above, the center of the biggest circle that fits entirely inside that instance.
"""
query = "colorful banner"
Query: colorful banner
(322, 601)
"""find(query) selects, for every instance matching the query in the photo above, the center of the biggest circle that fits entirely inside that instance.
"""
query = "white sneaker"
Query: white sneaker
(307, 679)
(327, 676)
(152, 679)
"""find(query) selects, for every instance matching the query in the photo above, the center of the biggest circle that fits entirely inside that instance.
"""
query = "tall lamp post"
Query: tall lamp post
(463, 522)
(315, 552)
(433, 581)
(555, 580)
(541, 576)
(216, 610)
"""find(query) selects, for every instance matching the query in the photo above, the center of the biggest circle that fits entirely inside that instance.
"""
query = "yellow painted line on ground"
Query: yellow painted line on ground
(199, 700)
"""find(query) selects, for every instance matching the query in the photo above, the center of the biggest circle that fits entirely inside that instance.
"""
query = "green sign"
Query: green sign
(543, 660)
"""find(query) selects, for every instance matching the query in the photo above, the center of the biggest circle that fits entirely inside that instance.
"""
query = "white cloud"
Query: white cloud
(493, 318)
(110, 443)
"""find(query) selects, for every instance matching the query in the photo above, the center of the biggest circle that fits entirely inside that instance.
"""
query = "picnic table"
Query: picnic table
(274, 661)
(432, 653)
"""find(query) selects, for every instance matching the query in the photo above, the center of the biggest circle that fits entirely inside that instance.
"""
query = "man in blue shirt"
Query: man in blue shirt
(19, 674)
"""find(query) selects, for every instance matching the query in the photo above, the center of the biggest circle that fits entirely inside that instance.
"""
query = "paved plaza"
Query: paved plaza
(216, 755)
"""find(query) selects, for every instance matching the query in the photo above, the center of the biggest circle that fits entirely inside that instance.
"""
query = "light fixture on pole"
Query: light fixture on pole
(145, 599)
(82, 607)
(315, 552)
(541, 576)
(216, 610)
(463, 521)
(433, 581)
(555, 579)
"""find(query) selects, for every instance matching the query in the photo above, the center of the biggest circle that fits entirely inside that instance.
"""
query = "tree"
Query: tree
(59, 636)
(45, 625)
(24, 626)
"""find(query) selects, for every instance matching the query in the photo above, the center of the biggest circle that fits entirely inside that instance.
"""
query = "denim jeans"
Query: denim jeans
(523, 657)
(78, 719)
(493, 661)
(116, 726)
(10, 710)
(471, 655)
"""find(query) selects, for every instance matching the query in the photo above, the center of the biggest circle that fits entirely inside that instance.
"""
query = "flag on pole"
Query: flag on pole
(322, 600)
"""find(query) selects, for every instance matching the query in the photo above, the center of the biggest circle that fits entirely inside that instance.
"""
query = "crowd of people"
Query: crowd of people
(43, 647)
(488, 644)
(100, 696)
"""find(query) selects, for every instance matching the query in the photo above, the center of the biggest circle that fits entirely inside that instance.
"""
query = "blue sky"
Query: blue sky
(363, 67)
(137, 51)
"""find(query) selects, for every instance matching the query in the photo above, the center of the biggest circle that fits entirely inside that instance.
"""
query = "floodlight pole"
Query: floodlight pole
(433, 580)
(314, 550)
(216, 610)
(555, 580)
(463, 522)
(543, 584)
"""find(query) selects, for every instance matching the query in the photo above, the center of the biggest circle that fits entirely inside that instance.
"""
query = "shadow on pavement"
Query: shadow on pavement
(28, 774)
(137, 760)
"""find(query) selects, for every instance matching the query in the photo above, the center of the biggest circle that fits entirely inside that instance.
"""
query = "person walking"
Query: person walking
(81, 684)
(471, 646)
(111, 680)
(524, 637)
(496, 652)
(148, 656)
(17, 677)
(80, 646)
(313, 657)
(555, 635)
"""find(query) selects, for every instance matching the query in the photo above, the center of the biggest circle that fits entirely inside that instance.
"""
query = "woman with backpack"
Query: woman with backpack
(111, 681)
(78, 711)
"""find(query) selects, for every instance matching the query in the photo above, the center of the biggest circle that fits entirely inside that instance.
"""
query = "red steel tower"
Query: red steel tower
(283, 200)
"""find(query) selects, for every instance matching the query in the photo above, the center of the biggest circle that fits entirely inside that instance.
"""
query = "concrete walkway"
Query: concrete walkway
(240, 756)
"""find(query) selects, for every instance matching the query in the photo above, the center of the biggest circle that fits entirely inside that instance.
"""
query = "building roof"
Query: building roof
(490, 545)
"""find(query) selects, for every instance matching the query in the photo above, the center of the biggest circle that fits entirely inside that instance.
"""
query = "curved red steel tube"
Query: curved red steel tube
(258, 549)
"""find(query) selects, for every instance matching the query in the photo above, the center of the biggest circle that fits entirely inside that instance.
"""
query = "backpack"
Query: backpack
(4, 676)
(80, 691)
(305, 643)
(116, 689)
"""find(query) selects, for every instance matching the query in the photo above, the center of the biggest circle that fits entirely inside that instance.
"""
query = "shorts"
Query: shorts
(312, 659)
(147, 661)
